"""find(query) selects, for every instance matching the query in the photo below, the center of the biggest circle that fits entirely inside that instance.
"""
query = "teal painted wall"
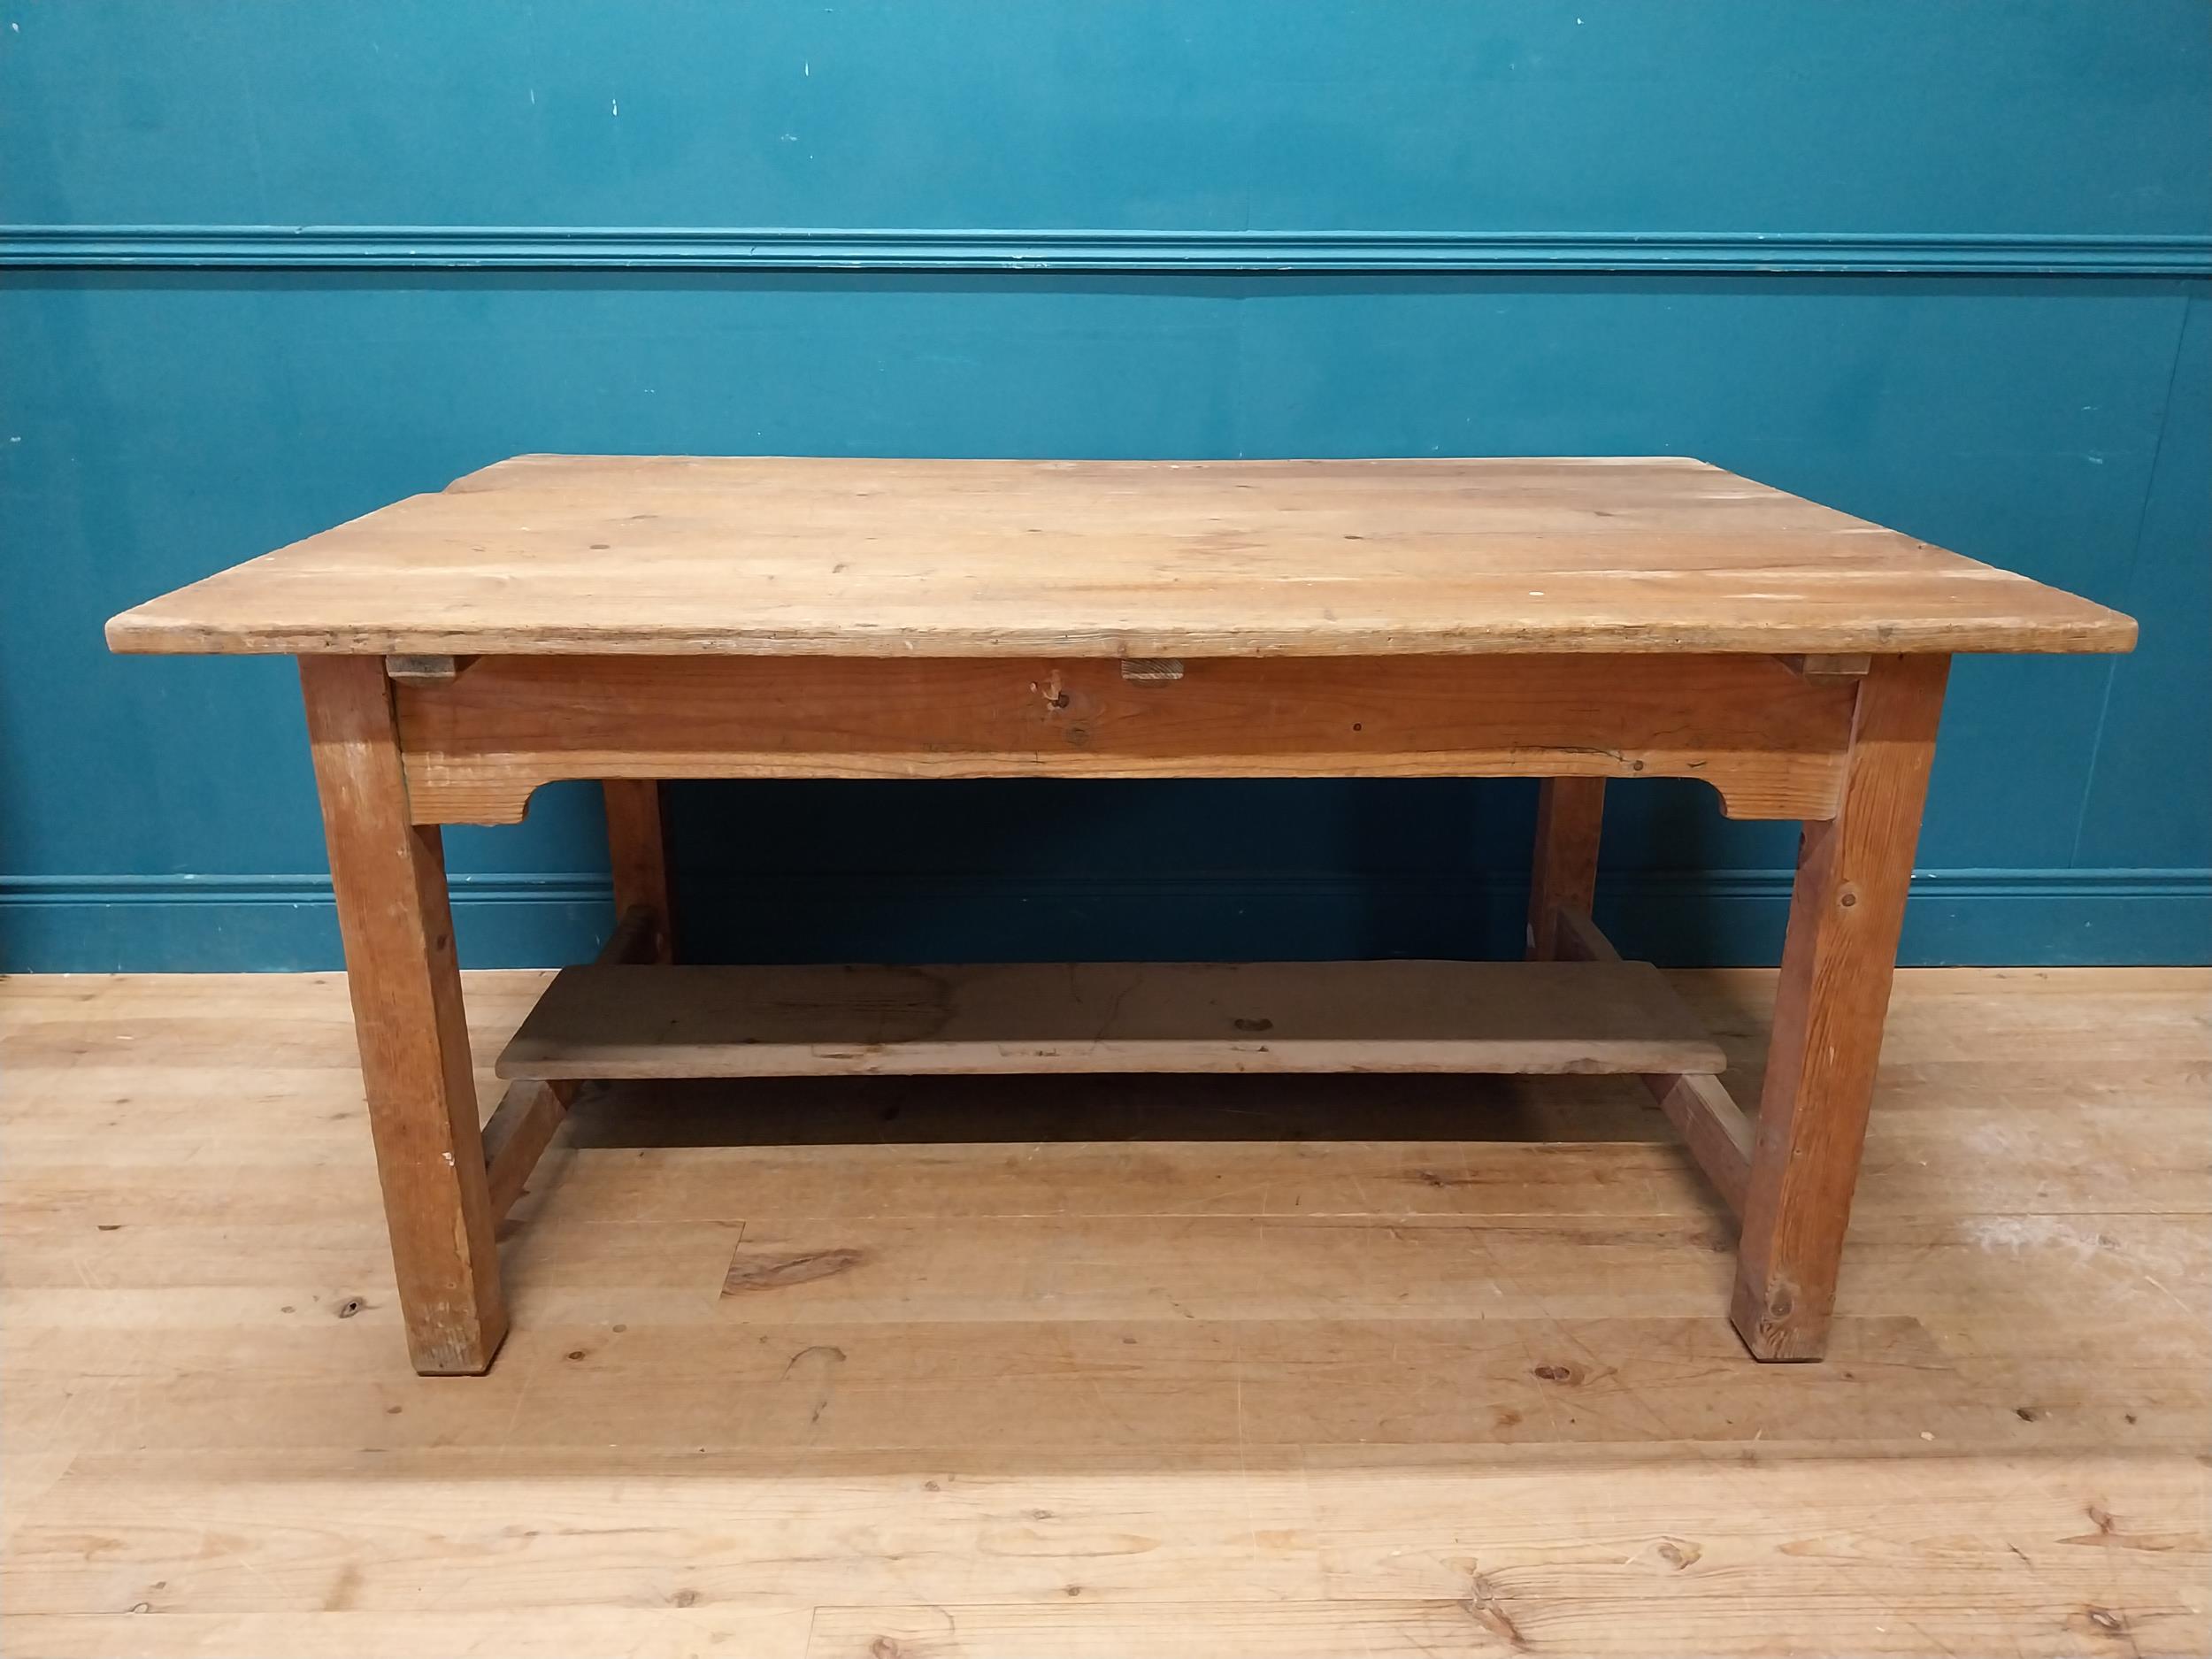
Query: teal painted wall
(1943, 266)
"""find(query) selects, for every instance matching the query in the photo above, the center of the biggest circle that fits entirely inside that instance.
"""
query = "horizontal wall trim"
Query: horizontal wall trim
(182, 922)
(526, 887)
(556, 247)
(570, 887)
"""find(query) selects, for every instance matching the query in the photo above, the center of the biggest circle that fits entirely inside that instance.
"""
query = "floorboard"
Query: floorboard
(1092, 1365)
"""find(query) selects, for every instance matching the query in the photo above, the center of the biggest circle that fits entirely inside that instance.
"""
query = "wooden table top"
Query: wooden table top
(674, 555)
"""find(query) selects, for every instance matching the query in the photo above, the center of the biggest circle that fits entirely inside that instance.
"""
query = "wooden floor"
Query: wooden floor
(1039, 1367)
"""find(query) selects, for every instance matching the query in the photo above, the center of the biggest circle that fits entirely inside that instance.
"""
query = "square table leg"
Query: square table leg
(1846, 912)
(389, 874)
(637, 850)
(1563, 875)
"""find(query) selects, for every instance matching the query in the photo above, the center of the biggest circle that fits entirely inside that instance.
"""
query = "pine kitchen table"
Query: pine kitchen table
(635, 619)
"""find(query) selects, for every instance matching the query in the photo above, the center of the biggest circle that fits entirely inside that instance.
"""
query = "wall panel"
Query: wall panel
(1942, 266)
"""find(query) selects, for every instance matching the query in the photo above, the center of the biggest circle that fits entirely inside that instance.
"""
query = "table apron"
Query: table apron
(1771, 742)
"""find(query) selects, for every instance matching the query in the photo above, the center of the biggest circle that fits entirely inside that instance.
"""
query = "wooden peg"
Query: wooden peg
(1151, 670)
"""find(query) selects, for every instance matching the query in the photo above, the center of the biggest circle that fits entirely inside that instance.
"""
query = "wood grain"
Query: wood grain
(1772, 744)
(389, 876)
(1166, 1365)
(592, 555)
(1846, 909)
(1556, 1017)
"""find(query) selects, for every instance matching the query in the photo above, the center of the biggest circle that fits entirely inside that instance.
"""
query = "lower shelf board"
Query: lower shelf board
(659, 1021)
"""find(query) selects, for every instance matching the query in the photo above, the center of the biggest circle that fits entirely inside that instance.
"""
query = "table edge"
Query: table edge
(2096, 631)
